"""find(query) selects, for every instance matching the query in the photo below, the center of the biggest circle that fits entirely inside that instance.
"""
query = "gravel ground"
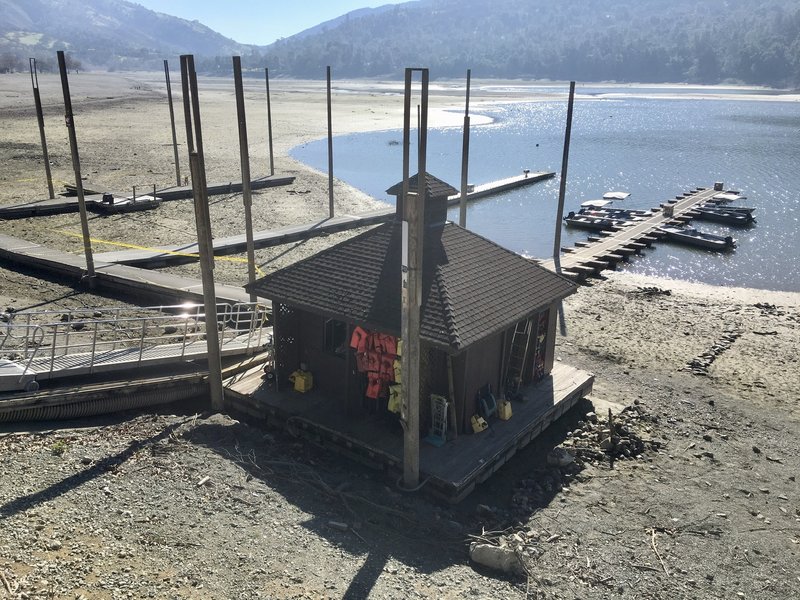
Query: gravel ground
(192, 505)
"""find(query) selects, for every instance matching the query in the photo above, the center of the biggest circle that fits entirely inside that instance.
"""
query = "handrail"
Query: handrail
(28, 333)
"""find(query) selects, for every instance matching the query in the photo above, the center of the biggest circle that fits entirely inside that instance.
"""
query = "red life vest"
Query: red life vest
(358, 341)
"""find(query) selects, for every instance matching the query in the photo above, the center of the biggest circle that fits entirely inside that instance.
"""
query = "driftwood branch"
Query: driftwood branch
(655, 549)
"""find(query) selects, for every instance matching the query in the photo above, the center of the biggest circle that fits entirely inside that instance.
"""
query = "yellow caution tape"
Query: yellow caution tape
(159, 250)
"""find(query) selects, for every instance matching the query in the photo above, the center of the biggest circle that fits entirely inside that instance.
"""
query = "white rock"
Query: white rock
(495, 558)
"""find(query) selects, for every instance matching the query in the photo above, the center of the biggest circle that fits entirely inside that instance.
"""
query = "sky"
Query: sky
(259, 21)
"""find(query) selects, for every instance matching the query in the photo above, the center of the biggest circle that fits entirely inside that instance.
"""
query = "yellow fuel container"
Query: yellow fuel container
(478, 423)
(504, 410)
(302, 380)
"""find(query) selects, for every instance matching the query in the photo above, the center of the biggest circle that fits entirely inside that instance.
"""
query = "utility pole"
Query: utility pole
(411, 281)
(76, 166)
(330, 148)
(244, 153)
(172, 124)
(194, 143)
(462, 204)
(40, 118)
(269, 126)
(562, 189)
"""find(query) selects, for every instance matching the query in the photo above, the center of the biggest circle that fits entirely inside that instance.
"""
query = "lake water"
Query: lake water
(654, 148)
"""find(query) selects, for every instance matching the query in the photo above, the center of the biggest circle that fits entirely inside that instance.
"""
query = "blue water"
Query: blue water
(653, 148)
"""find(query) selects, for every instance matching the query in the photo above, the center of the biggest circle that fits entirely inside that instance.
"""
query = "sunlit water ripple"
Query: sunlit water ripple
(653, 148)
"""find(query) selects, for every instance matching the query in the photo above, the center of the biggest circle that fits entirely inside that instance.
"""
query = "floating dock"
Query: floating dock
(607, 248)
(452, 471)
(94, 199)
(502, 185)
(163, 255)
(130, 281)
(181, 253)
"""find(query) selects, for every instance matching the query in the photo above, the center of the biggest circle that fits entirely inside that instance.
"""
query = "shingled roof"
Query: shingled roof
(472, 288)
(434, 187)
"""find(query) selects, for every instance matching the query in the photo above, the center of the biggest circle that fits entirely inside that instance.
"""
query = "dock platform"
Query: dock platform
(94, 199)
(131, 281)
(502, 185)
(452, 470)
(601, 252)
(163, 255)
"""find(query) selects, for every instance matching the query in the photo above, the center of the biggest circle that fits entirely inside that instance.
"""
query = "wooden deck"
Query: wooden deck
(452, 470)
(603, 251)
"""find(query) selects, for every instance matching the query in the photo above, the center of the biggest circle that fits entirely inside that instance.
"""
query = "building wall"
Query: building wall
(475, 367)
(329, 369)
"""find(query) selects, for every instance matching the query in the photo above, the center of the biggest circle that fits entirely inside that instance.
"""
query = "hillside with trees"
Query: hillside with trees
(754, 42)
(100, 34)
(713, 41)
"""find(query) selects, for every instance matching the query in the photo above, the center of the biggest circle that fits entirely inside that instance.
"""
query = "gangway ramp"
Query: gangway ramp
(42, 345)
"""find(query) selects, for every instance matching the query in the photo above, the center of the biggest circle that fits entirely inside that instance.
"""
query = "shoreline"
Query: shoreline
(126, 150)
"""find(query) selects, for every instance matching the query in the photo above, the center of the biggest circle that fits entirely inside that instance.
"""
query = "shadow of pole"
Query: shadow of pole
(52, 492)
(367, 576)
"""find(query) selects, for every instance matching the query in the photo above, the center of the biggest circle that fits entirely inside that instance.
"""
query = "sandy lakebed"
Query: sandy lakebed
(113, 507)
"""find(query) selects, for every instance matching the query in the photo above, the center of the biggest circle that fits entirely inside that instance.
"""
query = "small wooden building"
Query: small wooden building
(488, 314)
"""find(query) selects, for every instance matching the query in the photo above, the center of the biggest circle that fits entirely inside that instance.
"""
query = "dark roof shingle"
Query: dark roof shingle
(434, 187)
(472, 287)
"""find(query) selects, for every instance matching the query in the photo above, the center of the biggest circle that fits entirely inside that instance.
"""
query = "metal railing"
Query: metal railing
(97, 333)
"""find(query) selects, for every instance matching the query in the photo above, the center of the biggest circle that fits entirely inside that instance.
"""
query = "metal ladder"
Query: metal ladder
(517, 356)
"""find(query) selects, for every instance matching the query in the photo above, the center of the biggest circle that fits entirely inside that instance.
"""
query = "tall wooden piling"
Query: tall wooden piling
(562, 189)
(411, 283)
(330, 147)
(37, 100)
(76, 165)
(172, 125)
(269, 126)
(194, 143)
(244, 153)
(462, 205)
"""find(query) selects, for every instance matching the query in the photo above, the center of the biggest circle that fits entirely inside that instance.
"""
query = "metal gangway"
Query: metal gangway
(41, 345)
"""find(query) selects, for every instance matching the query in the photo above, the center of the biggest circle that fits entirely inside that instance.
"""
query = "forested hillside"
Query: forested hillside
(696, 41)
(108, 34)
(702, 41)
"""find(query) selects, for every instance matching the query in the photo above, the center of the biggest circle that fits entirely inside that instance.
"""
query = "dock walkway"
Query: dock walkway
(610, 247)
(133, 282)
(68, 204)
(162, 255)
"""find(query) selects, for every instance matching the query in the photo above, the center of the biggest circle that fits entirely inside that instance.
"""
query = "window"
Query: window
(335, 340)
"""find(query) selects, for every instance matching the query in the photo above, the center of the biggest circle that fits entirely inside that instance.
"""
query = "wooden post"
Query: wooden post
(462, 205)
(37, 100)
(330, 148)
(451, 388)
(411, 282)
(194, 143)
(269, 126)
(172, 124)
(76, 165)
(244, 153)
(562, 188)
